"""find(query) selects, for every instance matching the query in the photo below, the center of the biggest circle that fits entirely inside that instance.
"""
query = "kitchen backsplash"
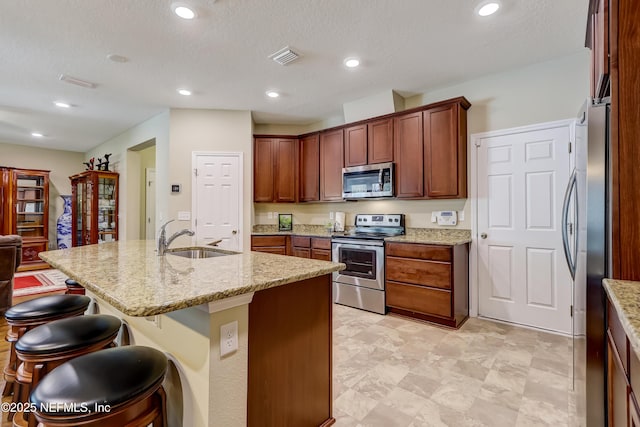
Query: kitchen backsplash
(417, 212)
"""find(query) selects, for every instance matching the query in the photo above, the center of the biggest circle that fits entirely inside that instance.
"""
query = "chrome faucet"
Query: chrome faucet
(163, 242)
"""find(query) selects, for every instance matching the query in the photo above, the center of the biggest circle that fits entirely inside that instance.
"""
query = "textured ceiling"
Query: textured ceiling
(406, 45)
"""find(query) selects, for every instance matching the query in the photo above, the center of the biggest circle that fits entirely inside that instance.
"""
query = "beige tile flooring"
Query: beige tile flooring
(394, 372)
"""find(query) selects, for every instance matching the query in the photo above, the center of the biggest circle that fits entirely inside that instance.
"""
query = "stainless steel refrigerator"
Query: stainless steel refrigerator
(587, 238)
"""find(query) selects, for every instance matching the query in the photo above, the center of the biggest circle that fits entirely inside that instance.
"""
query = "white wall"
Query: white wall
(208, 130)
(127, 163)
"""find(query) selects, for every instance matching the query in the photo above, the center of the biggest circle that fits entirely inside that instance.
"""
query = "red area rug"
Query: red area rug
(31, 283)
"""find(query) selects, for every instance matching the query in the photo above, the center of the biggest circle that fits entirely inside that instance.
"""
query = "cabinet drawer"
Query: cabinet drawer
(416, 250)
(321, 254)
(419, 299)
(321, 243)
(618, 335)
(419, 272)
(268, 241)
(301, 252)
(272, 250)
(301, 241)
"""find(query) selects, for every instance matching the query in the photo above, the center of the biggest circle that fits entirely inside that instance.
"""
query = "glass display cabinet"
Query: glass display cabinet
(94, 207)
(25, 211)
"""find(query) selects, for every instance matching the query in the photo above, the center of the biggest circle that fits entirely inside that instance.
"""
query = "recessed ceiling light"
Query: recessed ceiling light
(487, 9)
(352, 62)
(272, 94)
(37, 134)
(62, 104)
(184, 92)
(183, 11)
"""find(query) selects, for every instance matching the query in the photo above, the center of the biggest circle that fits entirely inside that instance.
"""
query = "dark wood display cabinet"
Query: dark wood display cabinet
(94, 207)
(25, 211)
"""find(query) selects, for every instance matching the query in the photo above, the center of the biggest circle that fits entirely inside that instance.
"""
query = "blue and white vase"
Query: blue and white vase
(64, 225)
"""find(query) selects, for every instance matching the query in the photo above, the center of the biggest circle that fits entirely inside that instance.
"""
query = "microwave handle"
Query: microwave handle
(380, 177)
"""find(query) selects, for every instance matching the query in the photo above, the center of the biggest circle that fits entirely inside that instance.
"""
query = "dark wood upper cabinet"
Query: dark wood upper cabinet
(331, 164)
(380, 141)
(275, 170)
(598, 41)
(286, 177)
(445, 152)
(263, 170)
(355, 146)
(310, 168)
(408, 155)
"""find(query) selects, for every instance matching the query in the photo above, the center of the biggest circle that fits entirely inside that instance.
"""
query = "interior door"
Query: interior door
(522, 274)
(217, 200)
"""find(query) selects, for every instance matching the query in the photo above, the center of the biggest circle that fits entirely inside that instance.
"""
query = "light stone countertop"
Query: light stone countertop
(432, 236)
(130, 275)
(625, 297)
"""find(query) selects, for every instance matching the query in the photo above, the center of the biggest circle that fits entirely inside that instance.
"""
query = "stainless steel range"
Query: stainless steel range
(361, 284)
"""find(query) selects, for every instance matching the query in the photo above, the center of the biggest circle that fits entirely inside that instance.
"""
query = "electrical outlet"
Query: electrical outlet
(228, 338)
(330, 215)
(461, 216)
(434, 216)
(269, 215)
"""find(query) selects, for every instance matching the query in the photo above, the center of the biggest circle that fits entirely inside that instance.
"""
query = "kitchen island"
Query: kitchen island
(281, 372)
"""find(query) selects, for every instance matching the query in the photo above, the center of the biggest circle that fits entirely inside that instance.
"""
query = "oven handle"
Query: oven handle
(357, 244)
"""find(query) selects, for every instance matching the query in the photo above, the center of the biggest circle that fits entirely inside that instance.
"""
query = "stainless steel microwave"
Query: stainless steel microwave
(370, 181)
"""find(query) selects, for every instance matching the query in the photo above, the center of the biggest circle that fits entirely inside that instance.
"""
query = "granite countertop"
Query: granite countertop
(625, 297)
(432, 236)
(130, 275)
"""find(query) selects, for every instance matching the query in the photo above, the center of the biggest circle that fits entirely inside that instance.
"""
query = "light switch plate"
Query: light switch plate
(184, 215)
(460, 215)
(434, 216)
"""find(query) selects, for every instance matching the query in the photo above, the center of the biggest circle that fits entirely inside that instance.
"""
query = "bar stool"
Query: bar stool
(73, 287)
(29, 314)
(44, 348)
(116, 387)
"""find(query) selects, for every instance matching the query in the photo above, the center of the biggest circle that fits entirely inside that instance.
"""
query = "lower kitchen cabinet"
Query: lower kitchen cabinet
(270, 244)
(623, 375)
(311, 247)
(428, 282)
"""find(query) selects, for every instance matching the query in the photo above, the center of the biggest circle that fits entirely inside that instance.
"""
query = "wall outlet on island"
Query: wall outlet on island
(228, 338)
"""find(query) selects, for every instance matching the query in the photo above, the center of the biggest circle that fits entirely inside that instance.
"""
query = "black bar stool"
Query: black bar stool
(47, 346)
(116, 387)
(29, 314)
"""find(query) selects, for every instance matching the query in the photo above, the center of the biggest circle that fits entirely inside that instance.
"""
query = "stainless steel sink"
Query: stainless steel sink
(197, 252)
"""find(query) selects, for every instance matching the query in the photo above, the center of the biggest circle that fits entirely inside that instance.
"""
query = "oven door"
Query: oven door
(365, 264)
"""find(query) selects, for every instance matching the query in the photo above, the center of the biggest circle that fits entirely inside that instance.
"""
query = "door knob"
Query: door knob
(483, 236)
(234, 231)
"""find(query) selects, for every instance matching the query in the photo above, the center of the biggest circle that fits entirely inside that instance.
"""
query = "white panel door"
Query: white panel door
(217, 200)
(522, 274)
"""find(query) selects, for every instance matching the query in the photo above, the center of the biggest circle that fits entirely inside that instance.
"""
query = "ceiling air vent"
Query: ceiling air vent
(284, 56)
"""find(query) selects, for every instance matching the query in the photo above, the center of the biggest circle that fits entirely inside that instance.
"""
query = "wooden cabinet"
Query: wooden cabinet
(408, 155)
(331, 164)
(598, 40)
(25, 211)
(275, 177)
(311, 247)
(94, 207)
(355, 146)
(310, 168)
(623, 374)
(369, 143)
(445, 151)
(270, 244)
(428, 282)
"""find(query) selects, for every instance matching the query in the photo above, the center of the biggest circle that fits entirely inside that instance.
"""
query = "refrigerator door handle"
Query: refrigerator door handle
(571, 259)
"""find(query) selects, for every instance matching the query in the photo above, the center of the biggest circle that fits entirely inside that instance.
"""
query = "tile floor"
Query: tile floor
(394, 372)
